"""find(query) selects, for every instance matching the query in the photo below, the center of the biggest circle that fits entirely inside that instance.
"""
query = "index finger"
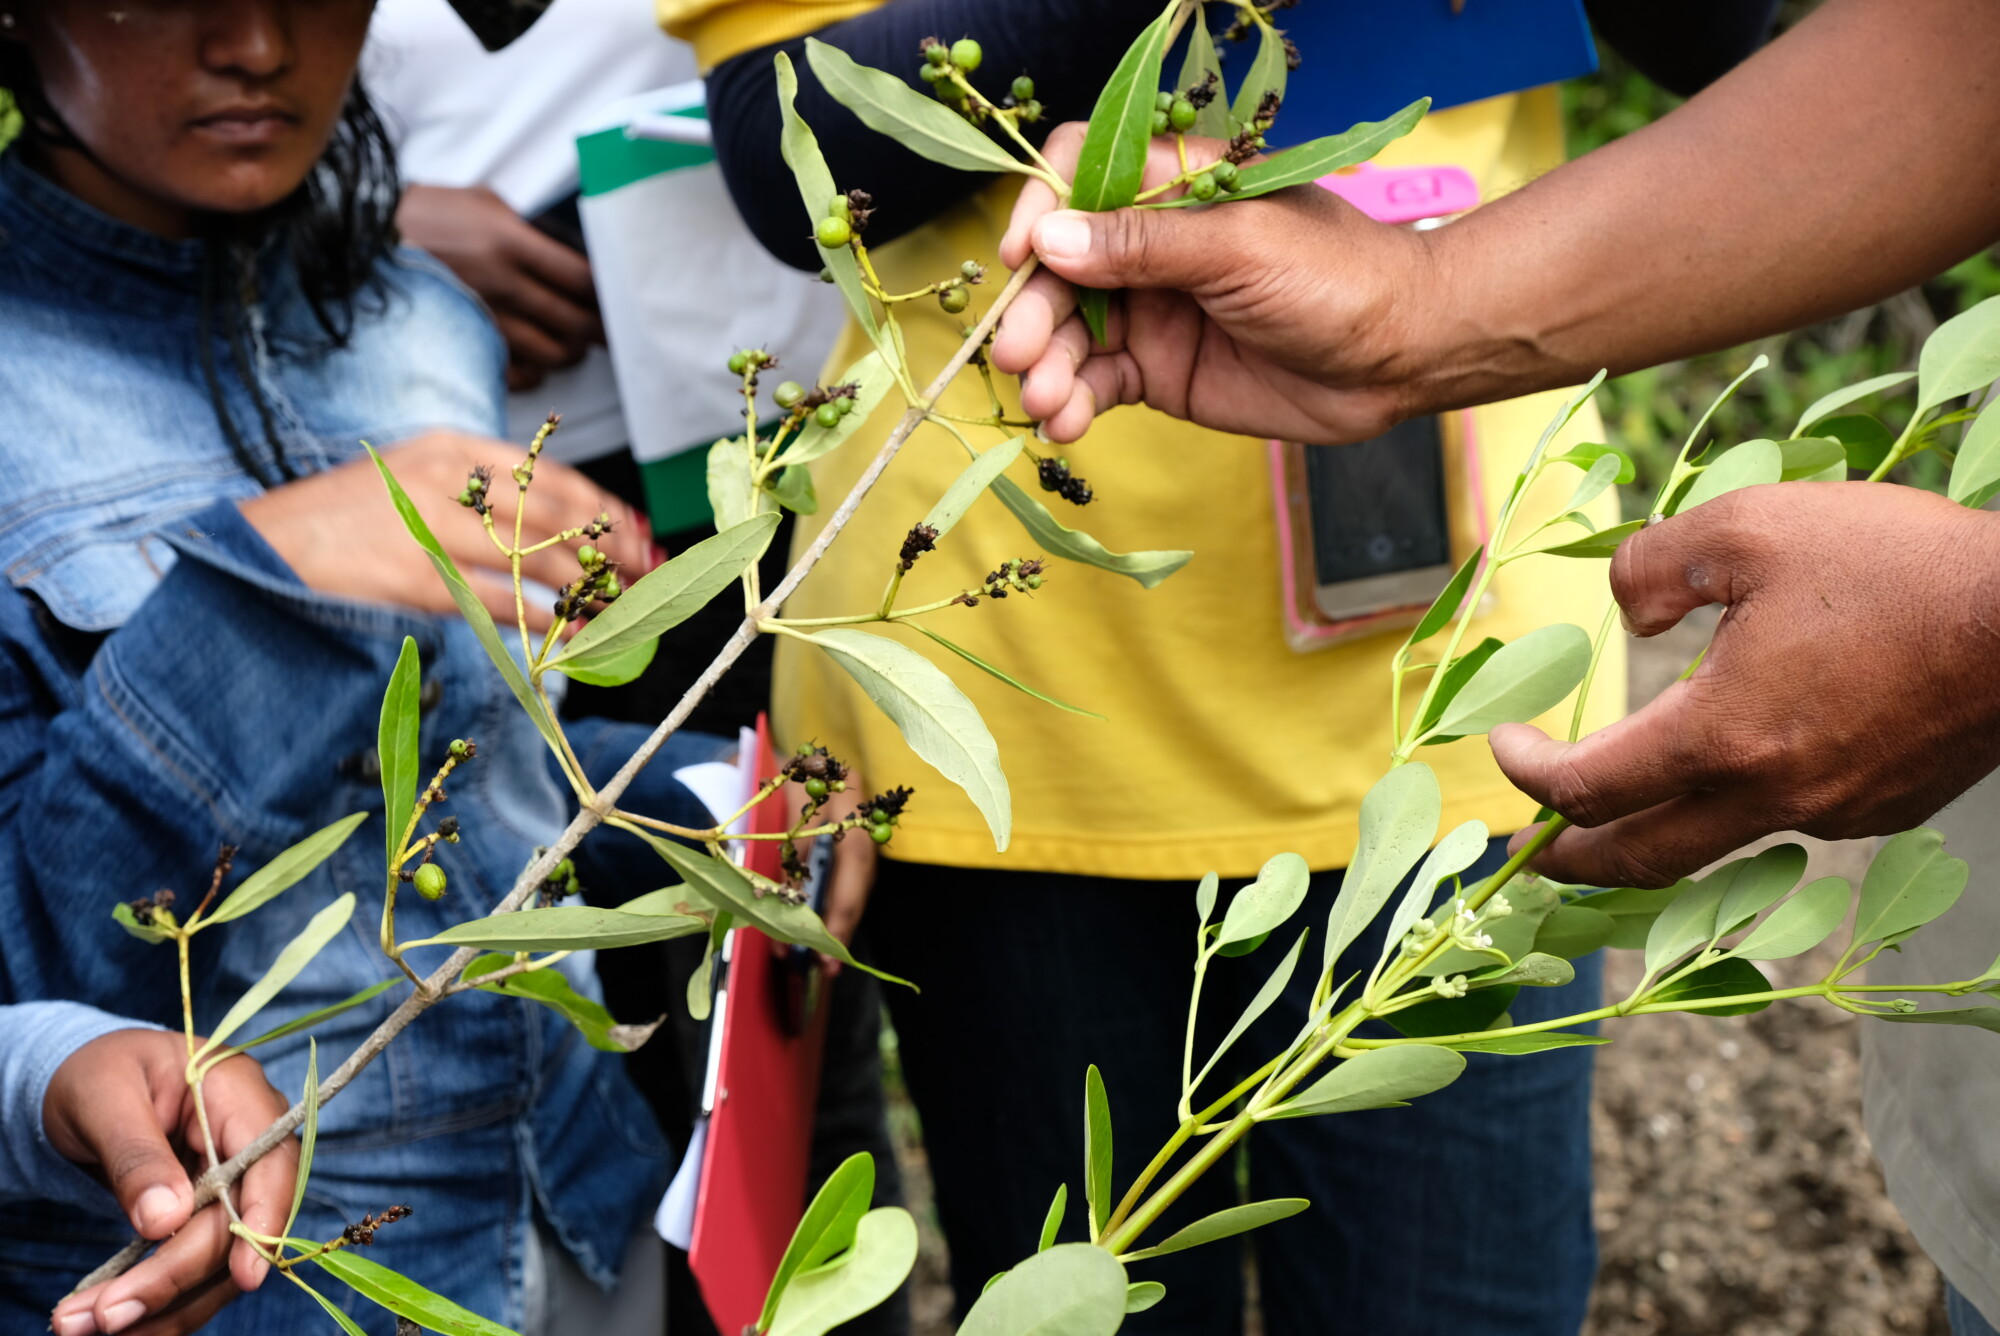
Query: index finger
(566, 270)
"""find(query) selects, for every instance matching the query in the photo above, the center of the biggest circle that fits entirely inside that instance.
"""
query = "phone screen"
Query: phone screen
(1378, 508)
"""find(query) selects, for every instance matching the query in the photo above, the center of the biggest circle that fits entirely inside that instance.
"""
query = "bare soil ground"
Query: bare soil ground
(1736, 1192)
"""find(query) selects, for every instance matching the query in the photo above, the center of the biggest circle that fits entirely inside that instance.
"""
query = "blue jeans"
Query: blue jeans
(1965, 1319)
(1028, 978)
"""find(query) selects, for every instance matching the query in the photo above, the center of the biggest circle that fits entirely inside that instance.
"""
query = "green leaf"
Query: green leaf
(1688, 921)
(970, 485)
(1380, 1078)
(1976, 471)
(1595, 481)
(1828, 404)
(308, 1134)
(312, 1018)
(827, 1229)
(1799, 924)
(1748, 465)
(298, 953)
(793, 489)
(346, 1323)
(1204, 896)
(1570, 408)
(1225, 1224)
(941, 725)
(1310, 161)
(1520, 681)
(1143, 1294)
(1052, 1222)
(1073, 1289)
(1480, 1009)
(1455, 677)
(1813, 459)
(552, 989)
(1529, 1043)
(1008, 678)
(404, 1297)
(1458, 850)
(1095, 303)
(732, 495)
(1960, 356)
(1535, 970)
(871, 376)
(1267, 902)
(1603, 543)
(1266, 75)
(701, 984)
(616, 669)
(396, 746)
(1725, 978)
(817, 1302)
(1211, 121)
(816, 190)
(1985, 1018)
(1446, 605)
(669, 595)
(725, 886)
(288, 868)
(123, 916)
(1632, 911)
(1112, 162)
(1585, 455)
(1399, 819)
(468, 604)
(1573, 931)
(1273, 988)
(1096, 1150)
(1866, 440)
(565, 928)
(1757, 885)
(891, 107)
(1148, 568)
(1911, 882)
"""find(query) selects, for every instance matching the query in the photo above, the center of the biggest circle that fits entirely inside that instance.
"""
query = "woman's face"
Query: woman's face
(191, 106)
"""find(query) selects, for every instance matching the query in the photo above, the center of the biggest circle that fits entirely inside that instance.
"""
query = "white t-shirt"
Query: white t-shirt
(507, 120)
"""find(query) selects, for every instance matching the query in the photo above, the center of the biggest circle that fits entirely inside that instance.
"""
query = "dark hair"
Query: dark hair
(338, 226)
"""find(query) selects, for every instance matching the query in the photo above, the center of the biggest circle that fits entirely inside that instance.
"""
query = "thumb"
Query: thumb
(1129, 248)
(120, 1129)
(1667, 570)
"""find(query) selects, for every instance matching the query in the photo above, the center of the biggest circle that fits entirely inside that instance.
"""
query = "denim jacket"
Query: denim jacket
(167, 685)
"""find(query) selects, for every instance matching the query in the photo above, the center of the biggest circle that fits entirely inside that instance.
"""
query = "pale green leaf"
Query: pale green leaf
(941, 725)
(1204, 896)
(1750, 464)
(1574, 930)
(1799, 924)
(288, 868)
(669, 595)
(1073, 1289)
(1225, 1224)
(565, 928)
(1143, 1294)
(1534, 970)
(1960, 356)
(793, 489)
(1688, 921)
(816, 190)
(817, 1302)
(1380, 1078)
(1211, 121)
(1112, 161)
(1458, 850)
(1976, 471)
(1529, 1043)
(1276, 894)
(1148, 568)
(312, 1018)
(1632, 911)
(614, 669)
(1521, 680)
(121, 913)
(970, 485)
(1450, 683)
(888, 106)
(732, 494)
(1758, 884)
(396, 748)
(550, 988)
(342, 1320)
(308, 1134)
(1052, 1222)
(404, 1297)
(297, 954)
(827, 1229)
(1595, 481)
(1725, 978)
(1399, 818)
(1813, 459)
(1603, 543)
(1984, 1018)
(1829, 404)
(1446, 605)
(1008, 678)
(1911, 882)
(1310, 161)
(1096, 1149)
(1588, 453)
(1273, 988)
(871, 378)
(1266, 75)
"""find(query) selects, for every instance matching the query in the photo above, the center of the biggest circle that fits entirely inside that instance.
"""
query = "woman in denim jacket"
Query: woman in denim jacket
(201, 317)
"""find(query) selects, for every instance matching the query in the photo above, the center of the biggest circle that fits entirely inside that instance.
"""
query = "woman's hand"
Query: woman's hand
(120, 1106)
(341, 535)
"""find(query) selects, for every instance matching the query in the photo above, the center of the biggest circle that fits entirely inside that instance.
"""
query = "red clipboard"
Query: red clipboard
(770, 1032)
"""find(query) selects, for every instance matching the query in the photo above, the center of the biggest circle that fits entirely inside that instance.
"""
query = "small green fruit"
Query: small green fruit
(739, 363)
(937, 53)
(459, 749)
(844, 404)
(1224, 173)
(827, 415)
(826, 275)
(881, 834)
(833, 233)
(838, 209)
(1031, 111)
(1204, 187)
(970, 270)
(1181, 115)
(789, 393)
(1159, 122)
(877, 817)
(932, 73)
(1023, 89)
(429, 881)
(1162, 100)
(965, 54)
(589, 556)
(954, 300)
(610, 589)
(815, 789)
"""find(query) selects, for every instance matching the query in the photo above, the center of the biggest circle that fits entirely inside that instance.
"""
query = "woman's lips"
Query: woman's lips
(250, 125)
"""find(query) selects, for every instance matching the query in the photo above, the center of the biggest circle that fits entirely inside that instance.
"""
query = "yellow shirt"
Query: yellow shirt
(1221, 745)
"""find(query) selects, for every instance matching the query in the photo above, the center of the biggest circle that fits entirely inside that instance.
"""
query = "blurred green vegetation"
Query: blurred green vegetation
(1649, 413)
(10, 119)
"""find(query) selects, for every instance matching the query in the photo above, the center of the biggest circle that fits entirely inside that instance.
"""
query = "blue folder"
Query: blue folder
(1365, 59)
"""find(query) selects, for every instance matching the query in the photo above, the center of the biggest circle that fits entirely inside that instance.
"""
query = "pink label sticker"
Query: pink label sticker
(1405, 194)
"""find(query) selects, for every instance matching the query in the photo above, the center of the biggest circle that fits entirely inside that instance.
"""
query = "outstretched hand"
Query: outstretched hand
(1849, 691)
(120, 1106)
(1287, 315)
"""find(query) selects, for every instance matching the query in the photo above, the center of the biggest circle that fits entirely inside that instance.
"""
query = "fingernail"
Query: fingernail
(122, 1315)
(1063, 236)
(73, 1324)
(156, 1205)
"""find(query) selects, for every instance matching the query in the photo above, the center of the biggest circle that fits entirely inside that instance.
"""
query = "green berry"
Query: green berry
(804, 750)
(877, 817)
(739, 363)
(1181, 115)
(465, 497)
(954, 300)
(1159, 122)
(1204, 187)
(838, 209)
(564, 871)
(610, 589)
(1023, 89)
(459, 749)
(1034, 582)
(950, 91)
(965, 54)
(844, 404)
(826, 275)
(970, 270)
(789, 393)
(588, 555)
(815, 789)
(1031, 111)
(833, 233)
(429, 881)
(881, 834)
(1224, 173)
(932, 73)
(937, 53)
(827, 415)
(1162, 100)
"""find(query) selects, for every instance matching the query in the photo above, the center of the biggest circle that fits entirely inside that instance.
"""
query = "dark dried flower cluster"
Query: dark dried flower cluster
(362, 1233)
(1056, 477)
